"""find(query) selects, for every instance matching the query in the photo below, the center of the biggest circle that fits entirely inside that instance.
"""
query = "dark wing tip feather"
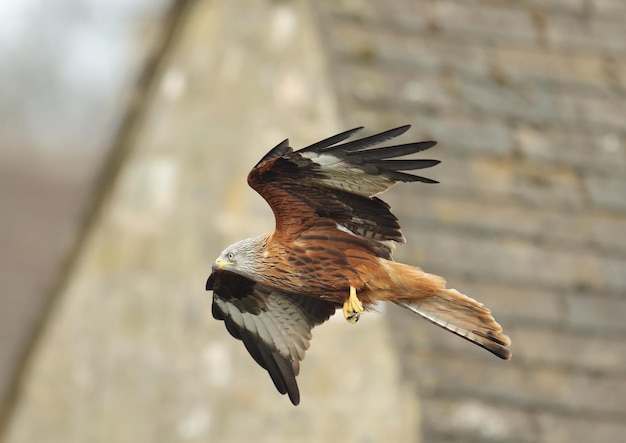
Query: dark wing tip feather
(288, 377)
(277, 151)
(391, 151)
(402, 165)
(330, 141)
(404, 177)
(393, 168)
(366, 142)
(277, 366)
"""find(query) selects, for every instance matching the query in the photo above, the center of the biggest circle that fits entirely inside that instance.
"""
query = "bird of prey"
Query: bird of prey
(331, 248)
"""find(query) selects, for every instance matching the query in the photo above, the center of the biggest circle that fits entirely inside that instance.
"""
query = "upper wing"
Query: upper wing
(334, 183)
(274, 326)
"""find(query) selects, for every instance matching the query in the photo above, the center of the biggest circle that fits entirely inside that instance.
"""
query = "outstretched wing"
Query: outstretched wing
(335, 184)
(274, 326)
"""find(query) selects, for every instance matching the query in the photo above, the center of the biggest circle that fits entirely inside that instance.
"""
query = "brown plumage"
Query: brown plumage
(331, 248)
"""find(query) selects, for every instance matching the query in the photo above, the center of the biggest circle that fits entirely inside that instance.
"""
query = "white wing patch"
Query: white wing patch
(324, 160)
(345, 176)
(342, 228)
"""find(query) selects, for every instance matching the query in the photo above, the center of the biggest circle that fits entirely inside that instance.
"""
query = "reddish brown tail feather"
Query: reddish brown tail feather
(426, 295)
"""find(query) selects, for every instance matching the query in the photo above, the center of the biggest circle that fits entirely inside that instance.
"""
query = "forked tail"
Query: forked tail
(426, 295)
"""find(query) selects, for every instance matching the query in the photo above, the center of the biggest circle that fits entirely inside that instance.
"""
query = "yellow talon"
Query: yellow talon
(352, 308)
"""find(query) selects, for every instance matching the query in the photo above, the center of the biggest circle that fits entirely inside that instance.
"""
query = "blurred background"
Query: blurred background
(128, 128)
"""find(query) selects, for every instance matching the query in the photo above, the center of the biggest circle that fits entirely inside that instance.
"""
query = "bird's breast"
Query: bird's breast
(320, 263)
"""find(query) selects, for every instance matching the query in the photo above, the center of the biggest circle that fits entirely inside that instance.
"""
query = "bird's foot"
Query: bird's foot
(352, 308)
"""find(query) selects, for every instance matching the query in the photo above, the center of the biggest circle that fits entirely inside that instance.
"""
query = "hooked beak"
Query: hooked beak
(220, 264)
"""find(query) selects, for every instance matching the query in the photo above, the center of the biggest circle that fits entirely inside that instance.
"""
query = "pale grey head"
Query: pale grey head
(243, 257)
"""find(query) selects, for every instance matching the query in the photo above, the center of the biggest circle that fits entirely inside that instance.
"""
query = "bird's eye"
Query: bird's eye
(230, 256)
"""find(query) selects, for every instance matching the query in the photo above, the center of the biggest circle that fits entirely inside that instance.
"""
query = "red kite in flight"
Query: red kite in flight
(331, 248)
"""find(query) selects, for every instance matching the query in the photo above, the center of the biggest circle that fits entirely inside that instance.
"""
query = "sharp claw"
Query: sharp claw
(353, 317)
(352, 308)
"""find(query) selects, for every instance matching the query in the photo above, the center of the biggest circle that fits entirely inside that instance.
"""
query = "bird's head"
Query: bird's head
(242, 257)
